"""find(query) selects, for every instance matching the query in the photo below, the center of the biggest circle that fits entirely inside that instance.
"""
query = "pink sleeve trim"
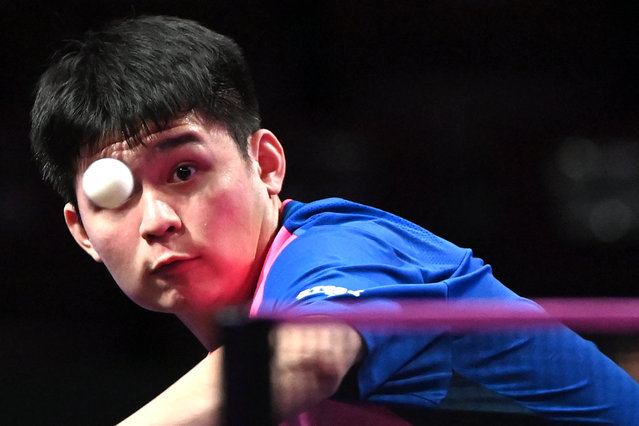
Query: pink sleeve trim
(282, 239)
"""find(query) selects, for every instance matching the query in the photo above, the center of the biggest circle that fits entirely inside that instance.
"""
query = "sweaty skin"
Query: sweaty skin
(192, 237)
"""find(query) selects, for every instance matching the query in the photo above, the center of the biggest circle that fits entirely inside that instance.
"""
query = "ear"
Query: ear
(267, 151)
(72, 218)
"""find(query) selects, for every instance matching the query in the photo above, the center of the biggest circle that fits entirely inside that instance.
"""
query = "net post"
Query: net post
(246, 369)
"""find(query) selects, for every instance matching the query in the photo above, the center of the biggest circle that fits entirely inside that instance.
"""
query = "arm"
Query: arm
(195, 399)
(307, 367)
(309, 363)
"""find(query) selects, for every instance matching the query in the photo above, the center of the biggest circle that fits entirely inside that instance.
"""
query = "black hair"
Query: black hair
(136, 74)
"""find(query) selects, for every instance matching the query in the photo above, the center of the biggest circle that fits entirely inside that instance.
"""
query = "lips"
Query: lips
(170, 263)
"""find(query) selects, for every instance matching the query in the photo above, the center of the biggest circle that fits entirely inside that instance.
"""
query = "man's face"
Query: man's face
(193, 235)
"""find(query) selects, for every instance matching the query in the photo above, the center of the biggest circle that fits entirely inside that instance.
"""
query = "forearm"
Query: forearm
(307, 367)
(309, 363)
(195, 399)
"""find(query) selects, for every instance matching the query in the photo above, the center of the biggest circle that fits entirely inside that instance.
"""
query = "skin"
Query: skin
(192, 187)
(192, 239)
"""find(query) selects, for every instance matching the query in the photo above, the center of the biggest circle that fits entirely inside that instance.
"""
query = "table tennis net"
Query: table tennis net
(475, 361)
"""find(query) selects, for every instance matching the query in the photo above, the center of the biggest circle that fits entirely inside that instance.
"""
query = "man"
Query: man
(205, 228)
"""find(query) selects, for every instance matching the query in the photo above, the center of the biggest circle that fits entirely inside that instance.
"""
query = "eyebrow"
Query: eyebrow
(171, 142)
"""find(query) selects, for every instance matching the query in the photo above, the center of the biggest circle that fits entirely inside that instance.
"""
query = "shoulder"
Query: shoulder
(337, 248)
(340, 225)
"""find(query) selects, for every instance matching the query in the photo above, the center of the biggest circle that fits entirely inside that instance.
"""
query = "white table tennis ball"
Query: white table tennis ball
(108, 183)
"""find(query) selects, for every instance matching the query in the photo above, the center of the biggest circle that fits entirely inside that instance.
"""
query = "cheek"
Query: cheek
(233, 218)
(230, 207)
(229, 228)
(116, 250)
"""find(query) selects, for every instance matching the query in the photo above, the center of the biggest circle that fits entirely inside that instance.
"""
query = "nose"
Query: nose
(159, 219)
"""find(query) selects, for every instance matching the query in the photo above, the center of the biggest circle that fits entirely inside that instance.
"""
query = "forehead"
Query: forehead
(188, 129)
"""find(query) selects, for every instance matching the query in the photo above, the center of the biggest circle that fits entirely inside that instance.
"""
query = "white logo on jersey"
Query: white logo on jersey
(329, 290)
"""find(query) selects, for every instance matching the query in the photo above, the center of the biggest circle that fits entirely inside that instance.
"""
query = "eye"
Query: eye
(183, 173)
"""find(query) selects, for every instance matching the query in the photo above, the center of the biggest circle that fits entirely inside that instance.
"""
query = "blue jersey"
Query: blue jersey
(332, 256)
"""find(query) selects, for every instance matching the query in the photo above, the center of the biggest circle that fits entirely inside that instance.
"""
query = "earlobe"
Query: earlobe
(267, 150)
(72, 218)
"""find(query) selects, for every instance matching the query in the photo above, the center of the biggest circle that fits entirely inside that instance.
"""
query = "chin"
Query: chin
(170, 302)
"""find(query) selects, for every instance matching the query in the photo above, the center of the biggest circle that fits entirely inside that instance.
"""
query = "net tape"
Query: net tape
(596, 315)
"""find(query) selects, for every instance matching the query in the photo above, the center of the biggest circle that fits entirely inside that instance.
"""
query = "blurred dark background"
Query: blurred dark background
(505, 126)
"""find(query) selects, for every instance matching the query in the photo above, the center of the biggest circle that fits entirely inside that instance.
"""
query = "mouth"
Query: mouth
(170, 264)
